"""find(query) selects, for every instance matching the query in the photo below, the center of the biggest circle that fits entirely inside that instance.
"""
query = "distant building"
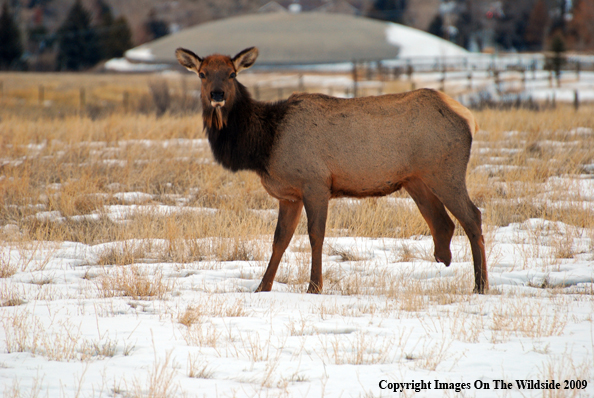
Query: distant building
(338, 7)
(272, 6)
(283, 38)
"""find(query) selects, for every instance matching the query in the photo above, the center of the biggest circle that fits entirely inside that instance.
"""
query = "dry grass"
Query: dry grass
(74, 165)
(563, 368)
(58, 341)
(355, 349)
(375, 218)
(135, 282)
(529, 319)
(199, 368)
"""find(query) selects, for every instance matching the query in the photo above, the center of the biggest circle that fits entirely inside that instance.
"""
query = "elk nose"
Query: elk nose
(217, 96)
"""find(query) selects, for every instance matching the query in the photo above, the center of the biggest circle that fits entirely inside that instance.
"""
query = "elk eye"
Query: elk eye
(201, 75)
(232, 76)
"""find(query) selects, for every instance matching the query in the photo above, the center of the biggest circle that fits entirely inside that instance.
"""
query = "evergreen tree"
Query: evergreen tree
(537, 25)
(581, 27)
(77, 40)
(558, 59)
(468, 24)
(120, 38)
(511, 24)
(436, 26)
(11, 48)
(115, 36)
(388, 10)
(155, 27)
(558, 20)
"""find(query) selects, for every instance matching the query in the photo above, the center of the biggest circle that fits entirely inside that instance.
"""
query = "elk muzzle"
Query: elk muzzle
(217, 99)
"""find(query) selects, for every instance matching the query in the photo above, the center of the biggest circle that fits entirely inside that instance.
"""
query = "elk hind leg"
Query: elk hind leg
(316, 208)
(288, 218)
(439, 222)
(455, 198)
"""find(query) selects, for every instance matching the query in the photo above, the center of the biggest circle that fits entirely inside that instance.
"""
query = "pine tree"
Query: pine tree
(155, 27)
(581, 26)
(77, 40)
(511, 24)
(11, 48)
(557, 60)
(388, 10)
(558, 20)
(468, 24)
(436, 26)
(115, 36)
(537, 25)
(120, 38)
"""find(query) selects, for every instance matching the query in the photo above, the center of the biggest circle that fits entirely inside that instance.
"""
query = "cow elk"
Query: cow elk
(311, 148)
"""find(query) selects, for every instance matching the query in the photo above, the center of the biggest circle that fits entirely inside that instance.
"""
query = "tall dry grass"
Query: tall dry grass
(63, 174)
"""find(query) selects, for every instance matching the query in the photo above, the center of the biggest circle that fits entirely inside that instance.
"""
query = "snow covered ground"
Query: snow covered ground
(207, 334)
(73, 324)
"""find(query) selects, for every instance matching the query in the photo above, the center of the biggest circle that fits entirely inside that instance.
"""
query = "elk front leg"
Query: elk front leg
(316, 208)
(288, 218)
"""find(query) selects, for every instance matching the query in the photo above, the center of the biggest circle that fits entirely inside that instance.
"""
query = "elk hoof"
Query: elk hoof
(439, 260)
(479, 290)
(314, 289)
(263, 288)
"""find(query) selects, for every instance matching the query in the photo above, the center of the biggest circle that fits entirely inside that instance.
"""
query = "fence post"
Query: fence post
(469, 80)
(577, 69)
(301, 85)
(82, 97)
(354, 79)
(409, 71)
(126, 100)
(576, 100)
(523, 79)
(380, 71)
(496, 80)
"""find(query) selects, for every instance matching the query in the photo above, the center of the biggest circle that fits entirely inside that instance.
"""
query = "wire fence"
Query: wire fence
(459, 76)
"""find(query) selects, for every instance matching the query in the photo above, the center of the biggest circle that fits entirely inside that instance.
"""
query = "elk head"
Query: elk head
(219, 87)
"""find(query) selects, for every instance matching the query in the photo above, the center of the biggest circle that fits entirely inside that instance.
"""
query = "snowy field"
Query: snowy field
(176, 315)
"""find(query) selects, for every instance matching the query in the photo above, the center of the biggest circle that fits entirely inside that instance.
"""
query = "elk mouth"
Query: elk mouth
(217, 104)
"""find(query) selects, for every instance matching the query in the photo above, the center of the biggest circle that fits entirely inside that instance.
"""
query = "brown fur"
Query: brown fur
(313, 147)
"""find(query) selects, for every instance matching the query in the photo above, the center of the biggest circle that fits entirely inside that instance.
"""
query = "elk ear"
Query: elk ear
(245, 59)
(188, 59)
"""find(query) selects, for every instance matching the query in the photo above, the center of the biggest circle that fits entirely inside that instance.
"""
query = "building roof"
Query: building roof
(282, 38)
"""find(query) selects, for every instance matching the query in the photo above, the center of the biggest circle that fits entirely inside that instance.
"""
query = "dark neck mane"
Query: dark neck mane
(246, 140)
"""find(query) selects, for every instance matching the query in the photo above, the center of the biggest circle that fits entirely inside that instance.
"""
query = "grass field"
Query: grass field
(128, 258)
